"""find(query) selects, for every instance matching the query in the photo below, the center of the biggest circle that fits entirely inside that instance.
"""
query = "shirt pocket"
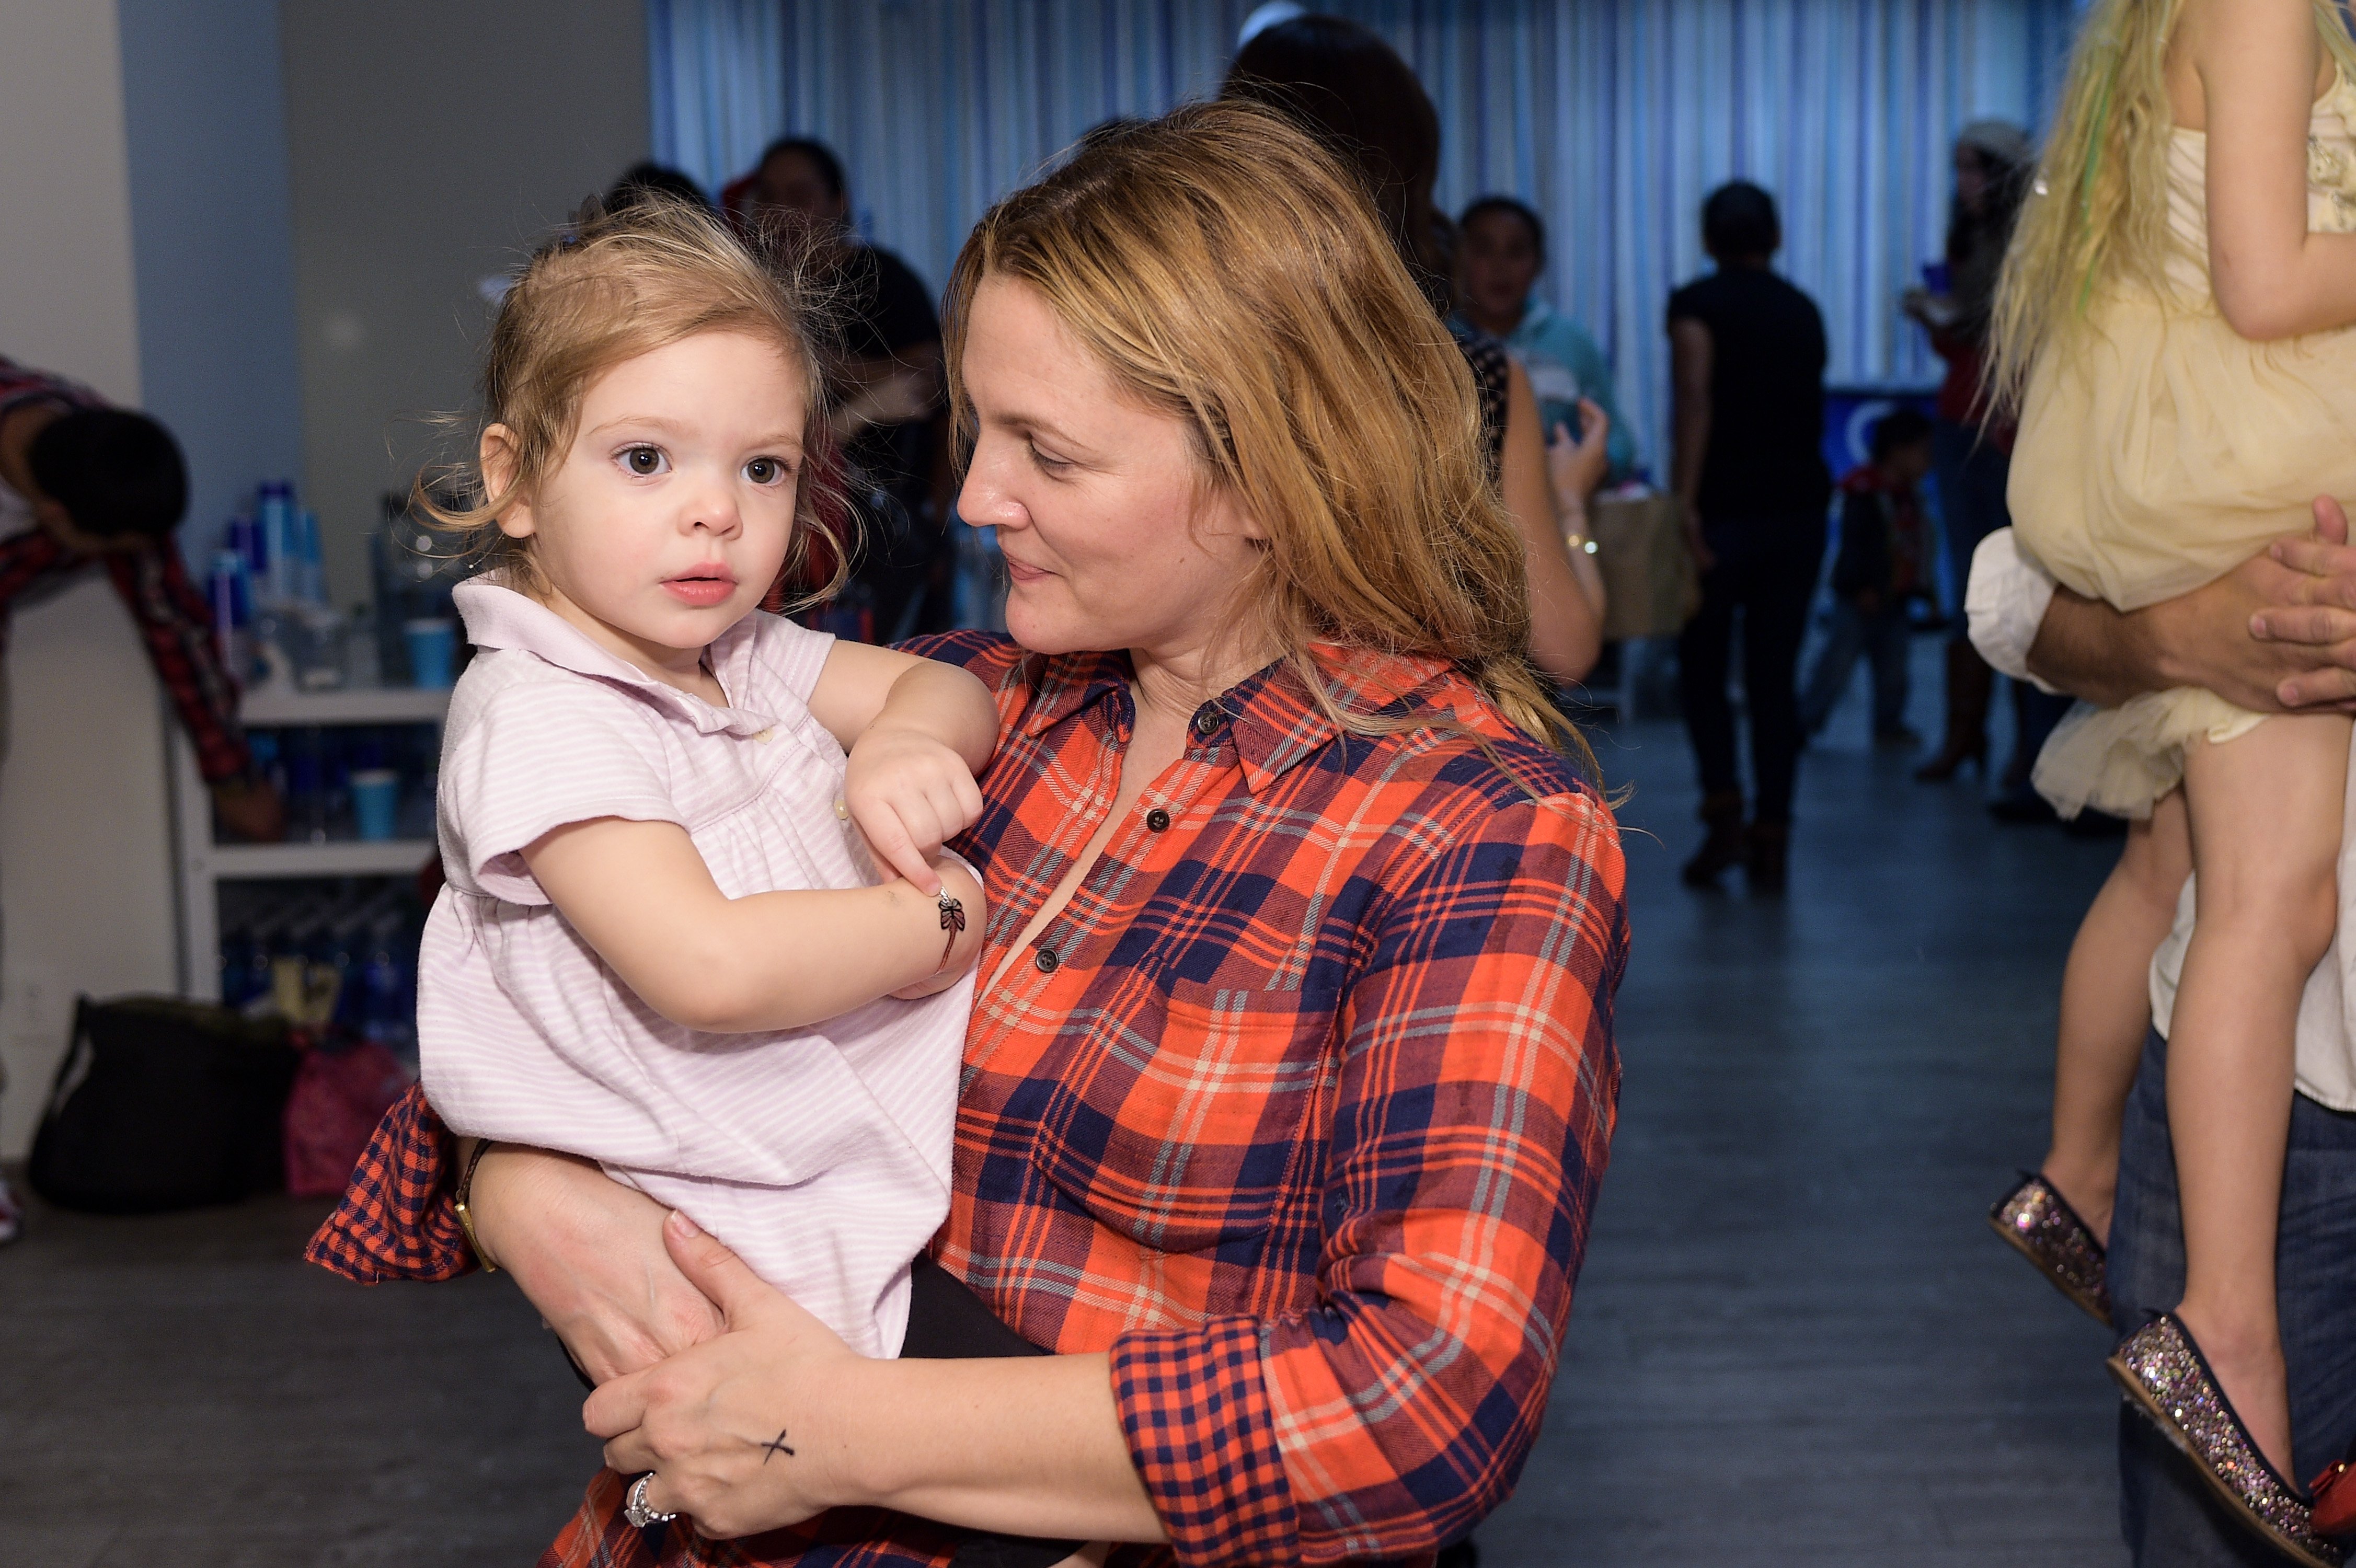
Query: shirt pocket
(1180, 1125)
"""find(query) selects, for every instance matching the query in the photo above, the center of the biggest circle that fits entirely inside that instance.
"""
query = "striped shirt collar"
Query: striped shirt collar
(499, 617)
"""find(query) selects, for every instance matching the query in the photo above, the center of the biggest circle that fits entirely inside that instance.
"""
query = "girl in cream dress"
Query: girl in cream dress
(2174, 325)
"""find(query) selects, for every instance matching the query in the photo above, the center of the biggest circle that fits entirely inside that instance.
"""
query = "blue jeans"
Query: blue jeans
(1849, 634)
(2166, 1513)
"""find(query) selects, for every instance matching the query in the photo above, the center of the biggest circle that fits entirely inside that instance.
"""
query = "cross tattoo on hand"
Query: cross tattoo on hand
(776, 1447)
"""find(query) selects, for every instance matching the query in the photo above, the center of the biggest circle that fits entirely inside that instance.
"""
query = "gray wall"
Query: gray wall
(212, 246)
(431, 141)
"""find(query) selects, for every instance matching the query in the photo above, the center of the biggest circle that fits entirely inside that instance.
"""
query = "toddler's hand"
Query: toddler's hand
(966, 950)
(909, 793)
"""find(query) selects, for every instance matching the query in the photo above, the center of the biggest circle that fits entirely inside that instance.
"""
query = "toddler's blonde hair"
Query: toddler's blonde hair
(616, 284)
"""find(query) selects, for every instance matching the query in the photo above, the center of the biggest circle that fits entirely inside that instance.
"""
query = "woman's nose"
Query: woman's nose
(984, 501)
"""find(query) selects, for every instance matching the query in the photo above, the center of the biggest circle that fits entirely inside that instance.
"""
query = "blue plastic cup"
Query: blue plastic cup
(376, 802)
(432, 647)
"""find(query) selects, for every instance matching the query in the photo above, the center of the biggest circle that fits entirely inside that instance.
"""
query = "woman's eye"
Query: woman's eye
(764, 470)
(643, 460)
(1046, 463)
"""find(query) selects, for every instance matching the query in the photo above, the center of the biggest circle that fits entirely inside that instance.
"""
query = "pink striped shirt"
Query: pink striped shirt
(820, 1155)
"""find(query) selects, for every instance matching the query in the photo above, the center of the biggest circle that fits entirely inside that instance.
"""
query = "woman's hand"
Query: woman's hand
(1576, 467)
(588, 1253)
(734, 1430)
(910, 792)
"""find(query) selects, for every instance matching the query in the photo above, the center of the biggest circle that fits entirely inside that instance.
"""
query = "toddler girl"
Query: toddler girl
(2173, 322)
(663, 945)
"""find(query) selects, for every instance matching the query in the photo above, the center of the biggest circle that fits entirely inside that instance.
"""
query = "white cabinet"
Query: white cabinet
(203, 865)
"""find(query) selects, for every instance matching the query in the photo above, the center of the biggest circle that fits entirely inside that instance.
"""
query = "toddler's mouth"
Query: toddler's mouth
(702, 586)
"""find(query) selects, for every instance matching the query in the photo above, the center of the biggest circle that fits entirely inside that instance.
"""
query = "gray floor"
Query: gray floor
(1794, 1341)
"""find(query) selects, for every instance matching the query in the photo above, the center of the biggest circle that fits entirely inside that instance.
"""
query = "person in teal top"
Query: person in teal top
(1499, 257)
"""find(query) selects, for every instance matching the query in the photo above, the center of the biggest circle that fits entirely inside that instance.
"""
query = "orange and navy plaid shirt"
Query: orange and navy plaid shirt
(1299, 1109)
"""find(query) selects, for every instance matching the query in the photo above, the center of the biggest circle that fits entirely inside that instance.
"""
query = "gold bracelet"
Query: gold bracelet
(465, 1215)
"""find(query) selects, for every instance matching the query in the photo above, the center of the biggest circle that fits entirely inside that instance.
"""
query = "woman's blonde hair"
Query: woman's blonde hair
(2098, 220)
(618, 282)
(1226, 268)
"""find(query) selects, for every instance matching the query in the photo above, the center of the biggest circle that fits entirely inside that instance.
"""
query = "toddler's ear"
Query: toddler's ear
(497, 456)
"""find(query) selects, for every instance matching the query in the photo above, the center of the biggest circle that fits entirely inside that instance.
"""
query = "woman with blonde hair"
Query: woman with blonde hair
(1290, 1078)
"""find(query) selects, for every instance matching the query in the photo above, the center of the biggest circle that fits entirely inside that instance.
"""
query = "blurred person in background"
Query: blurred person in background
(1345, 86)
(649, 178)
(1500, 250)
(1994, 163)
(1747, 370)
(84, 485)
(885, 384)
(1881, 567)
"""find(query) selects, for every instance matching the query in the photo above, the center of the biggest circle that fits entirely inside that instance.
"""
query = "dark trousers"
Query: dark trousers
(1972, 476)
(2166, 1513)
(1765, 573)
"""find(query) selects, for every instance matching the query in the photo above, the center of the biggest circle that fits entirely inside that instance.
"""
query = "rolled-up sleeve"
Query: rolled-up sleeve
(2005, 603)
(1471, 1126)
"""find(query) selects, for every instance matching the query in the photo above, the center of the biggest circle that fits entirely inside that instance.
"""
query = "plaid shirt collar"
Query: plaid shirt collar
(1276, 725)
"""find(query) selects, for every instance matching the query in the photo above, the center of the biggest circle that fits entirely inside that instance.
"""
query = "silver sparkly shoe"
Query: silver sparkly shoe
(2039, 1223)
(2168, 1378)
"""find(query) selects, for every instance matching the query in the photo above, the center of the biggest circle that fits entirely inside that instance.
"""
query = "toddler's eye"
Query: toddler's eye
(764, 470)
(643, 460)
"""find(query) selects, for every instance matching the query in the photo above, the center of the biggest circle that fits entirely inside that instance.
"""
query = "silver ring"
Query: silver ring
(636, 1511)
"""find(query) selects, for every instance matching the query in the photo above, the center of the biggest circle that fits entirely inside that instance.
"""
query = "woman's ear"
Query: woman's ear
(498, 455)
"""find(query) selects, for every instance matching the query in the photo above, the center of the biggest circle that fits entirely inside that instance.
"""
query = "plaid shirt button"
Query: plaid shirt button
(1157, 819)
(1208, 719)
(1047, 960)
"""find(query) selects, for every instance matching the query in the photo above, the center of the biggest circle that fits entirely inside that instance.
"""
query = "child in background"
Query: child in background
(2173, 324)
(663, 945)
(1876, 572)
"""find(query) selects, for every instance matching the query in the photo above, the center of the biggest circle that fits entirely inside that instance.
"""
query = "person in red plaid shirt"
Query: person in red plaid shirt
(1291, 1082)
(83, 485)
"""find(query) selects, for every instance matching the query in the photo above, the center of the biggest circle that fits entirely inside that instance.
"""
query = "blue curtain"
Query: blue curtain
(1613, 117)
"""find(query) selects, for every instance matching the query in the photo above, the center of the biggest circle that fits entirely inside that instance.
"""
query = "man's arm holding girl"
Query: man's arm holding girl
(2275, 634)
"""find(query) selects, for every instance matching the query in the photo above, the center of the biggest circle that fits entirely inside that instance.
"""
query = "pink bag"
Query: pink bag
(341, 1093)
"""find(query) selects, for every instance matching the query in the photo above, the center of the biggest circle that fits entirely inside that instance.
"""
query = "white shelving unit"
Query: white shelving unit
(203, 865)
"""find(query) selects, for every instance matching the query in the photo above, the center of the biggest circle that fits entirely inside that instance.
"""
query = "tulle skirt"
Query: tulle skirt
(2161, 450)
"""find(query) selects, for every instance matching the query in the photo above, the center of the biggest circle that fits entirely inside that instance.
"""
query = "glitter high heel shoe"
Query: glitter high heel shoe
(2037, 1222)
(2165, 1376)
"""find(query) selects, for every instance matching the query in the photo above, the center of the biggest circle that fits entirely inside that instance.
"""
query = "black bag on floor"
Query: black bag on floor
(162, 1103)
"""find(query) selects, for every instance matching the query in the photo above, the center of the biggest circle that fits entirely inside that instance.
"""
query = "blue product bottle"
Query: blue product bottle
(245, 537)
(274, 504)
(311, 582)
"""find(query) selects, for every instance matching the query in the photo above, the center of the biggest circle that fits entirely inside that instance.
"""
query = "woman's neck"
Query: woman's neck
(1175, 682)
